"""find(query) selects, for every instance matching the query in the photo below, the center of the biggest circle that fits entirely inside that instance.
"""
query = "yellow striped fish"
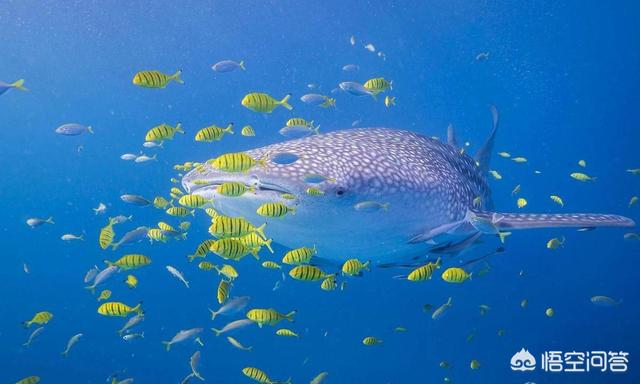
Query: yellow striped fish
(378, 84)
(176, 191)
(212, 213)
(193, 201)
(455, 275)
(299, 255)
(131, 261)
(307, 273)
(557, 200)
(261, 102)
(116, 308)
(271, 265)
(299, 122)
(329, 284)
(234, 189)
(582, 177)
(370, 340)
(235, 162)
(29, 380)
(268, 316)
(156, 234)
(225, 226)
(354, 267)
(166, 227)
(206, 265)
(106, 235)
(213, 133)
(39, 318)
(248, 131)
(286, 332)
(424, 272)
(163, 132)
(180, 212)
(202, 249)
(274, 210)
(313, 191)
(223, 291)
(155, 79)
(228, 271)
(160, 202)
(253, 240)
(261, 377)
(104, 295)
(131, 281)
(232, 249)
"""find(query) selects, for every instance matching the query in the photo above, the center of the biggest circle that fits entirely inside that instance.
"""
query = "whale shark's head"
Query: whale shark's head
(349, 188)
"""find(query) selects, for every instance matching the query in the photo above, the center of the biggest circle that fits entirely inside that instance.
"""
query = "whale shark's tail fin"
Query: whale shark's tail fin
(483, 157)
(513, 221)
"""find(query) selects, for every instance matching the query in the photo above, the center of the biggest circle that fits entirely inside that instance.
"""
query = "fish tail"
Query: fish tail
(179, 128)
(449, 302)
(366, 265)
(241, 65)
(216, 331)
(542, 220)
(289, 316)
(391, 85)
(92, 289)
(191, 257)
(260, 231)
(439, 262)
(109, 263)
(184, 235)
(50, 220)
(26, 324)
(176, 77)
(213, 314)
(167, 345)
(254, 252)
(284, 102)
(138, 309)
(316, 130)
(154, 157)
(267, 244)
(65, 353)
(18, 84)
(229, 128)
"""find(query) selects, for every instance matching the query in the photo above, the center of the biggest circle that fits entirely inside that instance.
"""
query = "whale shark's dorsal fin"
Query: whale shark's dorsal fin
(483, 157)
(451, 136)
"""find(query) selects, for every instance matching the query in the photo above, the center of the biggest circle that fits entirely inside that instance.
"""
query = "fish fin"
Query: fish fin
(90, 130)
(260, 231)
(92, 289)
(50, 220)
(267, 244)
(433, 232)
(216, 331)
(241, 65)
(284, 102)
(451, 136)
(176, 77)
(483, 157)
(289, 316)
(213, 314)
(138, 309)
(179, 129)
(513, 221)
(167, 345)
(229, 128)
(18, 84)
(65, 353)
(316, 130)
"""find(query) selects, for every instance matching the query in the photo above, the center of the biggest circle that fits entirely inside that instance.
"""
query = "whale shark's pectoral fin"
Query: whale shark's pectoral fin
(513, 221)
(436, 231)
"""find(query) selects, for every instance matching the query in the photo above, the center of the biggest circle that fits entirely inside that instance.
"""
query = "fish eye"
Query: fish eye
(340, 191)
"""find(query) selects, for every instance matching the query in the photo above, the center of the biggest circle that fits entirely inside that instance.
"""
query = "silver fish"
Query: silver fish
(429, 185)
(33, 335)
(237, 344)
(153, 144)
(605, 301)
(102, 208)
(131, 336)
(177, 274)
(128, 156)
(232, 305)
(297, 131)
(194, 361)
(101, 277)
(145, 158)
(73, 129)
(91, 274)
(319, 378)
(72, 341)
(232, 326)
(135, 200)
(355, 89)
(182, 335)
(441, 310)
(227, 66)
(132, 322)
(121, 219)
(314, 99)
(351, 68)
(133, 236)
(36, 222)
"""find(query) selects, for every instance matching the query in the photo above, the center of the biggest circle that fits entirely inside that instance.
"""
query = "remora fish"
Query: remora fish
(429, 185)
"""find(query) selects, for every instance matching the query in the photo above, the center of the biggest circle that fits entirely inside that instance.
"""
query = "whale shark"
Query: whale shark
(420, 193)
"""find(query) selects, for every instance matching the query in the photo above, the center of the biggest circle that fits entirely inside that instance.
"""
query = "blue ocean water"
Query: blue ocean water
(563, 76)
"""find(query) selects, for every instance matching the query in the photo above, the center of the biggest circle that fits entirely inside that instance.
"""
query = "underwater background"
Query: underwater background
(563, 75)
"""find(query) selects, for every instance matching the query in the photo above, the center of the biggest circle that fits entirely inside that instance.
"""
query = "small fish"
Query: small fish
(275, 210)
(224, 288)
(633, 201)
(313, 86)
(400, 329)
(36, 222)
(213, 133)
(356, 89)
(582, 163)
(370, 47)
(115, 308)
(319, 378)
(371, 340)
(163, 132)
(549, 312)
(444, 364)
(268, 316)
(555, 243)
(237, 324)
(135, 200)
(145, 158)
(634, 171)
(228, 66)
(519, 159)
(182, 335)
(18, 84)
(605, 301)
(504, 154)
(25, 268)
(177, 274)
(194, 361)
(132, 322)
(39, 318)
(354, 267)
(557, 199)
(352, 40)
(298, 131)
(496, 175)
(235, 162)
(524, 303)
(582, 177)
(286, 332)
(351, 68)
(378, 84)
(32, 336)
(329, 284)
(248, 131)
(424, 272)
(442, 309)
(521, 202)
(105, 294)
(516, 190)
(307, 273)
(128, 156)
(152, 144)
(131, 237)
(482, 56)
(131, 281)
(73, 129)
(71, 237)
(389, 101)
(180, 211)
(72, 341)
(132, 336)
(318, 100)
(120, 219)
(155, 79)
(475, 364)
(312, 191)
(91, 274)
(100, 210)
(632, 236)
(455, 275)
(29, 379)
(233, 305)
(262, 102)
(237, 344)
(105, 238)
(371, 206)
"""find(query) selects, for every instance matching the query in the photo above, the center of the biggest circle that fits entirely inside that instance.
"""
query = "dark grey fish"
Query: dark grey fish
(73, 129)
(135, 200)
